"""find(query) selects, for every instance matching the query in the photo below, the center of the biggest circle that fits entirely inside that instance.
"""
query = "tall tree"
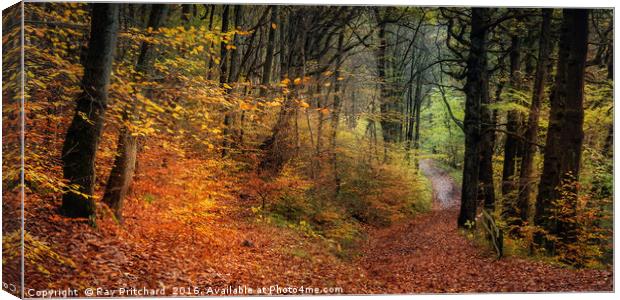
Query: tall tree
(531, 132)
(476, 81)
(223, 46)
(389, 126)
(513, 124)
(565, 134)
(270, 49)
(335, 121)
(235, 56)
(82, 139)
(224, 71)
(417, 107)
(277, 147)
(124, 166)
(487, 144)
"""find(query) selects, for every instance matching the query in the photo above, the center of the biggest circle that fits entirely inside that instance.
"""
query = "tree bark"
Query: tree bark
(278, 147)
(531, 132)
(224, 79)
(266, 79)
(476, 79)
(124, 166)
(388, 125)
(223, 49)
(82, 139)
(512, 144)
(417, 108)
(487, 143)
(336, 112)
(210, 66)
(235, 56)
(565, 134)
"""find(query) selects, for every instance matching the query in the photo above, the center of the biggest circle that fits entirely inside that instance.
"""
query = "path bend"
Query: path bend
(429, 255)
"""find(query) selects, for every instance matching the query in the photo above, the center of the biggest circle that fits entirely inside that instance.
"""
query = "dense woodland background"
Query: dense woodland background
(163, 135)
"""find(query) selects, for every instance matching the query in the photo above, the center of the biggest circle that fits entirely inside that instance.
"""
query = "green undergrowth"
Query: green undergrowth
(307, 198)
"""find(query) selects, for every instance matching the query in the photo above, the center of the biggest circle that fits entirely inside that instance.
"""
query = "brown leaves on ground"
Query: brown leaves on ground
(184, 227)
(429, 254)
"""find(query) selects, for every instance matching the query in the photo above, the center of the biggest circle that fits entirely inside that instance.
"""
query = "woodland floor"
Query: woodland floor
(155, 248)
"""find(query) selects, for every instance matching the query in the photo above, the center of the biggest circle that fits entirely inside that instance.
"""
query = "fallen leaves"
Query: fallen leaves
(157, 246)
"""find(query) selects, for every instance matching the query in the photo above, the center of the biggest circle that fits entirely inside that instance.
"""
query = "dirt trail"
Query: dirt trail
(429, 255)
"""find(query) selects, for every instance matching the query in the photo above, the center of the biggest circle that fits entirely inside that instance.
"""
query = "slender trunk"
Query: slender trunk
(224, 69)
(511, 147)
(124, 166)
(410, 122)
(277, 148)
(270, 49)
(321, 103)
(477, 78)
(565, 134)
(388, 126)
(210, 67)
(531, 133)
(82, 139)
(235, 56)
(282, 45)
(336, 112)
(487, 186)
(223, 49)
(417, 109)
(352, 119)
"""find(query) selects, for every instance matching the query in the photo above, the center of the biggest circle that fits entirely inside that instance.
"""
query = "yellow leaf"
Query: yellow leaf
(274, 26)
(297, 81)
(246, 106)
(303, 104)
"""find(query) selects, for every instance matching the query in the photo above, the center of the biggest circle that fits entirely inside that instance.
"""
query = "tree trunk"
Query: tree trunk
(388, 125)
(210, 67)
(487, 143)
(513, 126)
(565, 134)
(224, 79)
(477, 78)
(417, 107)
(270, 49)
(336, 111)
(282, 46)
(411, 104)
(320, 104)
(531, 132)
(124, 166)
(277, 148)
(235, 67)
(223, 49)
(82, 139)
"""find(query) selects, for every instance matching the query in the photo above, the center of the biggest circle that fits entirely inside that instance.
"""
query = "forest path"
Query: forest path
(429, 254)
